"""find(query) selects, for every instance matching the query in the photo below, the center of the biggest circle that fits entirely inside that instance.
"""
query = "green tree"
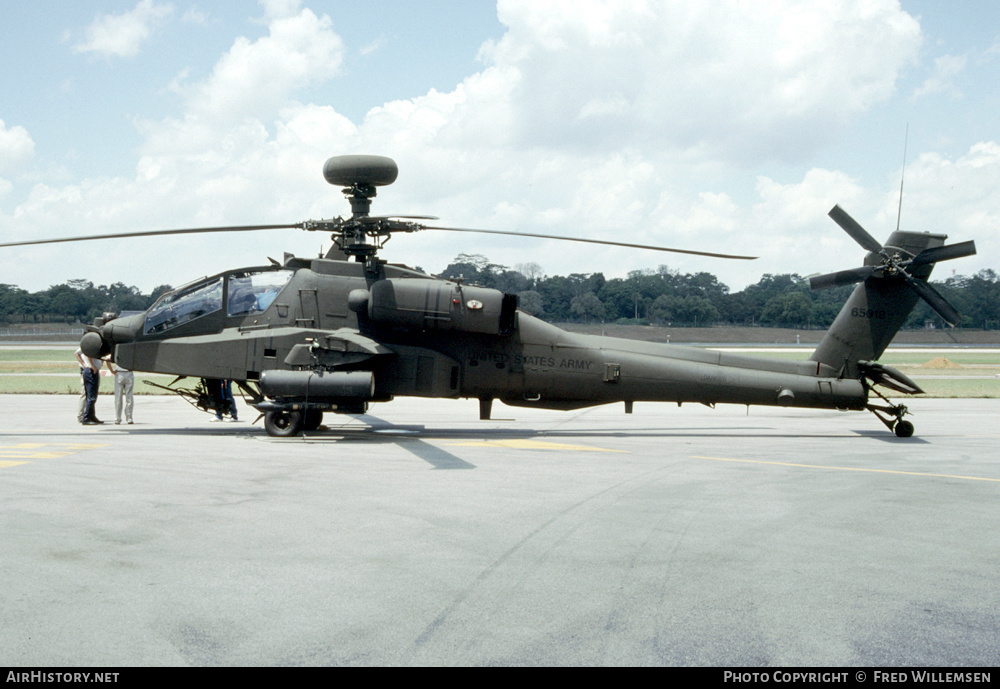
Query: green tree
(793, 308)
(587, 306)
(67, 303)
(692, 309)
(531, 302)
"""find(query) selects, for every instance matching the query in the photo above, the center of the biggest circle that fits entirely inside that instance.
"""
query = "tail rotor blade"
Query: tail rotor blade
(851, 227)
(934, 300)
(944, 253)
(841, 278)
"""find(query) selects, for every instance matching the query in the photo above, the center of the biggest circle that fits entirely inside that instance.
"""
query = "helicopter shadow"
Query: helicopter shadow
(379, 430)
(884, 437)
(416, 438)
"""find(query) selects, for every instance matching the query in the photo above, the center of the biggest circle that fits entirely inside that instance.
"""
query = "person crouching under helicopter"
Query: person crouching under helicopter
(222, 398)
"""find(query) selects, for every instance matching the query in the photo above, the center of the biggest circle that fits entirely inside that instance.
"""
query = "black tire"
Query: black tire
(903, 429)
(283, 424)
(313, 419)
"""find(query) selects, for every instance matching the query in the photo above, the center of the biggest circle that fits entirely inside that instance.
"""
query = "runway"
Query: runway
(420, 535)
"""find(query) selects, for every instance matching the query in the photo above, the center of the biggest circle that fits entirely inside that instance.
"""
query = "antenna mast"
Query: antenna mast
(902, 174)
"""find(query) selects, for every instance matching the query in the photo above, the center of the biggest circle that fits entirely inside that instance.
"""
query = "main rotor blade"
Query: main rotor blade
(154, 233)
(841, 278)
(591, 241)
(851, 227)
(944, 253)
(934, 300)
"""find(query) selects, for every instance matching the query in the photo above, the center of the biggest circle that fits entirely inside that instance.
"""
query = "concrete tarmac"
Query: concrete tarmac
(419, 535)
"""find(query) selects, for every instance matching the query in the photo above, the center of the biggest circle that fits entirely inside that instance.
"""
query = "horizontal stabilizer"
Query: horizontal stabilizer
(880, 374)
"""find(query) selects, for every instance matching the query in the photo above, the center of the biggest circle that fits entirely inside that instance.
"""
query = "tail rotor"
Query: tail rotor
(894, 263)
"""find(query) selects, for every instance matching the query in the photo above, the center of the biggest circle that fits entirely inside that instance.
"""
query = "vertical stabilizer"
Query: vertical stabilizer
(877, 308)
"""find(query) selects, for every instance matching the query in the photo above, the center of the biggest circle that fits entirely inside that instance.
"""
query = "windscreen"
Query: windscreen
(254, 292)
(178, 308)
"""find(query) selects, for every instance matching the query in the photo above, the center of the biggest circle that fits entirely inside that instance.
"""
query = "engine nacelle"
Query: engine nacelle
(435, 305)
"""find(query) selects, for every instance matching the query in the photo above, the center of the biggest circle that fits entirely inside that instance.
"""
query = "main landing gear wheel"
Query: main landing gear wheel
(283, 424)
(903, 429)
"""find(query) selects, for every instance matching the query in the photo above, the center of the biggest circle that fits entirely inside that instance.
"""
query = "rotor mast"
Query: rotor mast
(353, 235)
(360, 197)
(359, 176)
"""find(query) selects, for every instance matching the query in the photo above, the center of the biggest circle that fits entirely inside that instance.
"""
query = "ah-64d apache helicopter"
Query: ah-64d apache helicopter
(309, 336)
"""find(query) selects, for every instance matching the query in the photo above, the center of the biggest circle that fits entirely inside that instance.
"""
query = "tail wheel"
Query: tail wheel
(891, 415)
(283, 424)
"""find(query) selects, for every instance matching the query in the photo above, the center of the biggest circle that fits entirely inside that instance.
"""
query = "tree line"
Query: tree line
(669, 297)
(661, 296)
(75, 301)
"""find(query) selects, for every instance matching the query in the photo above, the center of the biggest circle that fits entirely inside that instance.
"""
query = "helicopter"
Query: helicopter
(307, 336)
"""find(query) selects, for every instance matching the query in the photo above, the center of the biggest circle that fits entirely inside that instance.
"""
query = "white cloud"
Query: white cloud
(121, 35)
(723, 76)
(16, 147)
(736, 81)
(629, 121)
(243, 152)
(373, 47)
(958, 197)
(255, 78)
(242, 119)
(194, 16)
(942, 194)
(280, 9)
(942, 80)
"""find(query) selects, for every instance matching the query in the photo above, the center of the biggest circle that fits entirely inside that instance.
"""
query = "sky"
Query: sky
(731, 126)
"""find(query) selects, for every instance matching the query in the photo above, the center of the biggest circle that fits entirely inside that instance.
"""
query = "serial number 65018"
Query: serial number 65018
(868, 313)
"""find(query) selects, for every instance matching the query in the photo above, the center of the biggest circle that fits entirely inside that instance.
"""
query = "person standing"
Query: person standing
(90, 371)
(222, 392)
(124, 386)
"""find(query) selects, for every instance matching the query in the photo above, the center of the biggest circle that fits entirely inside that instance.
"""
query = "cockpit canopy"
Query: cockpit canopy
(244, 293)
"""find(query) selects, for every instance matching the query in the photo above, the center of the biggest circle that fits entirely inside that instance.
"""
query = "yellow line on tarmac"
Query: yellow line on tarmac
(64, 447)
(29, 451)
(874, 471)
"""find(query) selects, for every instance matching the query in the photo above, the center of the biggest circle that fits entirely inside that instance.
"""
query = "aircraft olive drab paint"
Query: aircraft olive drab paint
(309, 336)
